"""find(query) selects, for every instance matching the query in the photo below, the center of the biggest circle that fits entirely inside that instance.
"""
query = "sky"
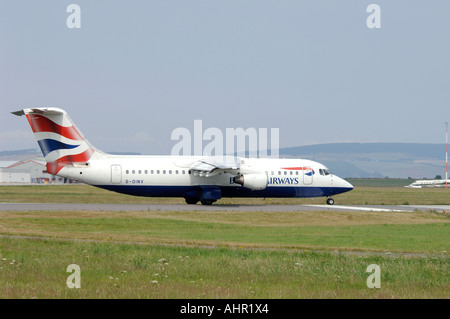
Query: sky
(137, 70)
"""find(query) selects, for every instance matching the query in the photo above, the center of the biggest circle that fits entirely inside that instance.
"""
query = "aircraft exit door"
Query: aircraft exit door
(116, 174)
(308, 174)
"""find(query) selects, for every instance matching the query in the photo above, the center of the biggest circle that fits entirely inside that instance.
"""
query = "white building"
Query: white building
(12, 178)
(27, 171)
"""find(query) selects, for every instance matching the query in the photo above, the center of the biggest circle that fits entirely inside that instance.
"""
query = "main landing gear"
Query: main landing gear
(193, 201)
(330, 201)
(207, 201)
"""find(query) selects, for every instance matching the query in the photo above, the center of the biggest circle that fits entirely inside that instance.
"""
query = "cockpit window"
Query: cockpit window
(324, 172)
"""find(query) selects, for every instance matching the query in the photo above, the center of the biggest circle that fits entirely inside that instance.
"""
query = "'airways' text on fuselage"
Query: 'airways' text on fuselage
(283, 180)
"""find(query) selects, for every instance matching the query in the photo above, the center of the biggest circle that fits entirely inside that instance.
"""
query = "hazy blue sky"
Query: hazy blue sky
(136, 70)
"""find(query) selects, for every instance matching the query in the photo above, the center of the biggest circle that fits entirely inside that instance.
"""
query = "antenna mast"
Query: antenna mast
(446, 153)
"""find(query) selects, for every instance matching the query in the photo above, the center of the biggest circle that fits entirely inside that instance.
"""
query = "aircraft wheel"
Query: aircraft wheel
(330, 201)
(207, 201)
(191, 201)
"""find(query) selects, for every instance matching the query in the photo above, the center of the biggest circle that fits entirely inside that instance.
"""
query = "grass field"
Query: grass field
(37, 268)
(201, 254)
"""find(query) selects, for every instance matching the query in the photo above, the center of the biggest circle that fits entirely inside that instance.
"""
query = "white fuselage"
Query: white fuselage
(171, 176)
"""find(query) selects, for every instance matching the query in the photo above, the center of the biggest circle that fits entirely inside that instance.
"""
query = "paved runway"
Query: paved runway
(216, 207)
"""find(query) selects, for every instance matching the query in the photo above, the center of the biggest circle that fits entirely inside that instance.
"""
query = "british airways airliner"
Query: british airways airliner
(195, 178)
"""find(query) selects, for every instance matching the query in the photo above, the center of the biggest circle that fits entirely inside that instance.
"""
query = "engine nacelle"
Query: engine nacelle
(252, 181)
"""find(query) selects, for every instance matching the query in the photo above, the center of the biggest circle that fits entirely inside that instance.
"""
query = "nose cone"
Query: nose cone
(343, 185)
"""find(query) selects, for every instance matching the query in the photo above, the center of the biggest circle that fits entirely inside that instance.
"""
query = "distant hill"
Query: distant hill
(20, 154)
(376, 160)
(411, 149)
(348, 160)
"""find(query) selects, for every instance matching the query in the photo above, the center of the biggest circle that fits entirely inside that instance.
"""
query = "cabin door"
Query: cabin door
(308, 174)
(116, 174)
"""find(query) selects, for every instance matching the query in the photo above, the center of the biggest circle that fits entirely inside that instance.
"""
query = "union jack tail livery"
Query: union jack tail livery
(195, 178)
(60, 141)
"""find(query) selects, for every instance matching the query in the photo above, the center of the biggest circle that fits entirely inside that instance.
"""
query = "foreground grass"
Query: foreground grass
(37, 269)
(362, 195)
(201, 254)
(416, 232)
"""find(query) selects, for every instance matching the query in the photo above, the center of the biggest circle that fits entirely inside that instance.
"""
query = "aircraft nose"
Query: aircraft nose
(342, 183)
(347, 184)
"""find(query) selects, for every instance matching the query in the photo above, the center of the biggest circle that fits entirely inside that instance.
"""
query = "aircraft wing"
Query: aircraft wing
(211, 166)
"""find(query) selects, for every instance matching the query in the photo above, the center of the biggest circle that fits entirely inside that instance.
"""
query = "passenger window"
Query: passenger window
(157, 172)
(170, 171)
(127, 172)
(164, 171)
(133, 171)
(176, 172)
(139, 171)
(146, 172)
(285, 173)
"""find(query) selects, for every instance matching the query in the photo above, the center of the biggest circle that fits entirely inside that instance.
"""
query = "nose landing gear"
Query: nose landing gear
(330, 201)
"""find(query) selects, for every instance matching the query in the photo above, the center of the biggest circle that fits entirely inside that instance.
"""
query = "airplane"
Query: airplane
(429, 183)
(195, 178)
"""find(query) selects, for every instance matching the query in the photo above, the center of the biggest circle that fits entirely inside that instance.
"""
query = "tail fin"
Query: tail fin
(60, 141)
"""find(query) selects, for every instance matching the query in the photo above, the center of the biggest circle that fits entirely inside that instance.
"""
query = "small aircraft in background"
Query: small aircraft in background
(429, 183)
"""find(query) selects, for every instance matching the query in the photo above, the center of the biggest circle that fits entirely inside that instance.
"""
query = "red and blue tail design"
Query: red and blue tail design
(60, 141)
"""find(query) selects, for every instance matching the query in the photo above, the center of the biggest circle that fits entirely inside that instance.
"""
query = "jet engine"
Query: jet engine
(252, 181)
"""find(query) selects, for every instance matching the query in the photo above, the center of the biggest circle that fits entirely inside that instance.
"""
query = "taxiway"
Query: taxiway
(217, 207)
